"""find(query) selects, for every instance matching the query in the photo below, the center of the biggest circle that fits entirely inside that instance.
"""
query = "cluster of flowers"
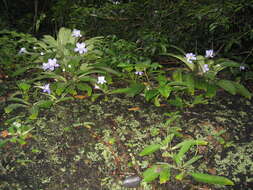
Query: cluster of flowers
(192, 57)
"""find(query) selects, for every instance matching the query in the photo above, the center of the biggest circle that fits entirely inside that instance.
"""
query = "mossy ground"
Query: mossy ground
(65, 152)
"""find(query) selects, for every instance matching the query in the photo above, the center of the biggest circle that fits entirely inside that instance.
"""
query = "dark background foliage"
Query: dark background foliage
(225, 26)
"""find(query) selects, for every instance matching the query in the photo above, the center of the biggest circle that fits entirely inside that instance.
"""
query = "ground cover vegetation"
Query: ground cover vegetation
(126, 94)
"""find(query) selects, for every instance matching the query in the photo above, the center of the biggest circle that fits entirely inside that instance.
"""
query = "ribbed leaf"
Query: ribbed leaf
(228, 86)
(150, 149)
(164, 175)
(211, 179)
(242, 90)
(151, 174)
(12, 107)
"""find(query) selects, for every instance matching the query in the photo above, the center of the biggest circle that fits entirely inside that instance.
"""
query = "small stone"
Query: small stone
(132, 181)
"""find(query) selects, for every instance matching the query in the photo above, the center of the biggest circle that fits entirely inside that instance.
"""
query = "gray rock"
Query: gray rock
(132, 181)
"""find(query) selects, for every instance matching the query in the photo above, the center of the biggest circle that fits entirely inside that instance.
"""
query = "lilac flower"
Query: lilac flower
(80, 47)
(96, 86)
(209, 53)
(22, 50)
(139, 73)
(76, 33)
(242, 67)
(50, 65)
(190, 57)
(46, 88)
(205, 68)
(101, 80)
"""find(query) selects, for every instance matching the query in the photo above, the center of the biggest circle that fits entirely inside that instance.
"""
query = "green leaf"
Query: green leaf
(180, 176)
(168, 139)
(133, 90)
(165, 90)
(189, 81)
(211, 179)
(65, 36)
(150, 149)
(152, 173)
(211, 90)
(165, 175)
(44, 103)
(34, 112)
(177, 75)
(242, 90)
(12, 107)
(185, 146)
(183, 59)
(24, 86)
(84, 87)
(60, 87)
(228, 86)
(192, 160)
(150, 94)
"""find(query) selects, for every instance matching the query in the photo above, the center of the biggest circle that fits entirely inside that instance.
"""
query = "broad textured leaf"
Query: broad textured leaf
(150, 149)
(44, 103)
(12, 107)
(211, 179)
(165, 90)
(192, 160)
(24, 86)
(151, 174)
(150, 94)
(177, 76)
(242, 90)
(228, 86)
(165, 175)
(189, 81)
(167, 140)
(34, 112)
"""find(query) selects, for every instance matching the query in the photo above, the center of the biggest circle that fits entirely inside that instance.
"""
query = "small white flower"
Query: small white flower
(205, 68)
(242, 67)
(80, 47)
(69, 66)
(22, 50)
(139, 73)
(41, 53)
(35, 48)
(190, 57)
(101, 80)
(17, 124)
(209, 53)
(76, 33)
(63, 70)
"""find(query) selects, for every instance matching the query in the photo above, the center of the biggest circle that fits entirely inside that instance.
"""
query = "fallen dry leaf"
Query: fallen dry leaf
(81, 96)
(134, 109)
(4, 133)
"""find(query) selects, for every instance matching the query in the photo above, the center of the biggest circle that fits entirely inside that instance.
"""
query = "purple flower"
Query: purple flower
(205, 68)
(190, 57)
(80, 47)
(209, 53)
(46, 88)
(139, 73)
(242, 67)
(50, 65)
(76, 33)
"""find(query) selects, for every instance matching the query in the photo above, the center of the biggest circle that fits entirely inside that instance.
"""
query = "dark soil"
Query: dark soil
(56, 156)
